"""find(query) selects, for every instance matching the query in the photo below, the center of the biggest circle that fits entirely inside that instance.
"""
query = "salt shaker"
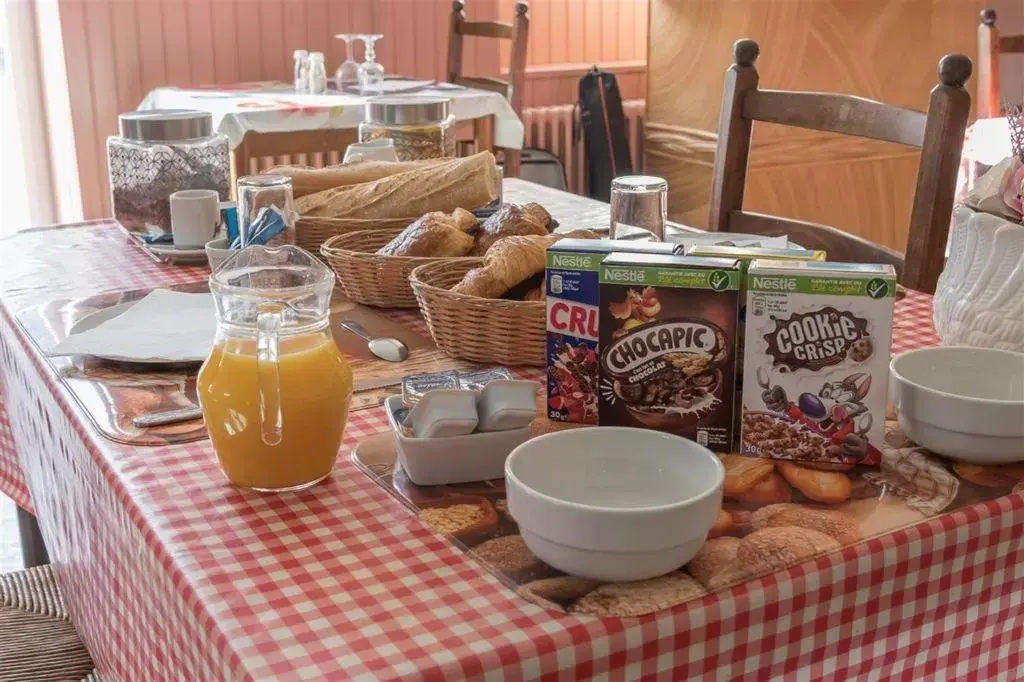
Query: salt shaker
(301, 70)
(317, 74)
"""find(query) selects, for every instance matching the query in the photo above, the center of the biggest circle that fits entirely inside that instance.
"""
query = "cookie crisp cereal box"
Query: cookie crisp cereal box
(816, 363)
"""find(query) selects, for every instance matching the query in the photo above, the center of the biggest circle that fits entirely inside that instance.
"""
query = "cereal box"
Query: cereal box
(668, 335)
(816, 368)
(572, 293)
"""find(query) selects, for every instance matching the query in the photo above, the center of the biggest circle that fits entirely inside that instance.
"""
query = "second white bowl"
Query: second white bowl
(613, 504)
(964, 403)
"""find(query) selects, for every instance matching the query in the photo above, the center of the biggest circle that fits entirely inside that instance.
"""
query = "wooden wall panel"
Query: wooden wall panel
(881, 49)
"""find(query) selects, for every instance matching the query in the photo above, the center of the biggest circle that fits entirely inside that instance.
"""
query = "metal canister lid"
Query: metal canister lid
(392, 110)
(165, 125)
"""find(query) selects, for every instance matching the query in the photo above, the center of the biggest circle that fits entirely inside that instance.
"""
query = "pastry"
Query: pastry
(556, 593)
(508, 554)
(509, 262)
(715, 556)
(769, 550)
(769, 490)
(723, 525)
(840, 526)
(743, 473)
(830, 487)
(580, 234)
(635, 599)
(468, 182)
(535, 294)
(990, 475)
(436, 235)
(511, 220)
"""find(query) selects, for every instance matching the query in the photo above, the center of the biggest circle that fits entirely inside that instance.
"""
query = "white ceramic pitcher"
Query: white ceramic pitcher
(979, 298)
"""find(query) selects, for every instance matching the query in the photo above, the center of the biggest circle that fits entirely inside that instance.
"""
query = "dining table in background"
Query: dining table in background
(271, 119)
(171, 573)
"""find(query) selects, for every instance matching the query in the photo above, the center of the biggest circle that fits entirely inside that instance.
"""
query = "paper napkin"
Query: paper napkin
(165, 326)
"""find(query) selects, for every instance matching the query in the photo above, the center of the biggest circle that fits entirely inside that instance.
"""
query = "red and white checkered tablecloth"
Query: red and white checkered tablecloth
(171, 573)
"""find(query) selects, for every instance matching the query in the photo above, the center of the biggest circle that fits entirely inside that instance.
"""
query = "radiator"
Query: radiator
(551, 129)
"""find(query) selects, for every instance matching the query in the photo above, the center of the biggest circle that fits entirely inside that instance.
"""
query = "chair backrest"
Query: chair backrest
(517, 32)
(990, 46)
(939, 134)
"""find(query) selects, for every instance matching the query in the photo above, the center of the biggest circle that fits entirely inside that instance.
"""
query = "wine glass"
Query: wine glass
(371, 74)
(348, 72)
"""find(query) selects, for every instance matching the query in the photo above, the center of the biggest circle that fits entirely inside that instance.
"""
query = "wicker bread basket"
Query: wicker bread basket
(367, 277)
(480, 329)
(311, 232)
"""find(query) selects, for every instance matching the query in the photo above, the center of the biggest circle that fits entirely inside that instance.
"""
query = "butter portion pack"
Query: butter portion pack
(572, 292)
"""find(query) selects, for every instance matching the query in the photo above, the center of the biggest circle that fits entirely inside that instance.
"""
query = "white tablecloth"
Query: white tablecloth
(267, 107)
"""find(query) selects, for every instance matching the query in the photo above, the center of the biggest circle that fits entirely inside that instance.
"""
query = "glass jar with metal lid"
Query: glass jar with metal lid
(157, 153)
(420, 127)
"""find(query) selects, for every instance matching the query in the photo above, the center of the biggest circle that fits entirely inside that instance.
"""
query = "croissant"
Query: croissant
(511, 220)
(434, 234)
(511, 261)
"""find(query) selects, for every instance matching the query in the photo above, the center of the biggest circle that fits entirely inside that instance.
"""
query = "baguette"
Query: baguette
(467, 183)
(309, 180)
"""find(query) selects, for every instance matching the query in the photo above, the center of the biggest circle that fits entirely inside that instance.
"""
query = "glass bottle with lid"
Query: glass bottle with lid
(157, 153)
(420, 127)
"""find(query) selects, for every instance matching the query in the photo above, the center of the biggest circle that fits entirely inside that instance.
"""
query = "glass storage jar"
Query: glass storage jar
(157, 153)
(420, 127)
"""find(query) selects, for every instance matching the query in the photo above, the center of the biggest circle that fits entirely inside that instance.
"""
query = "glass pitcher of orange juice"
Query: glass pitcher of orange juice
(275, 390)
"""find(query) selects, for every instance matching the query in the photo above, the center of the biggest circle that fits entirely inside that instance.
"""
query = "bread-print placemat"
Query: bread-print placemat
(775, 514)
(113, 393)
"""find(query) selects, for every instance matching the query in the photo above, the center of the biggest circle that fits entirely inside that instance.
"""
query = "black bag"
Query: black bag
(603, 124)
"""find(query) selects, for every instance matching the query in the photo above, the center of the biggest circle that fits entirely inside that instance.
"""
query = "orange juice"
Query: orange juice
(315, 386)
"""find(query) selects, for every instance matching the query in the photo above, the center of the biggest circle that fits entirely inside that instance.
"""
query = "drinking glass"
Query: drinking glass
(348, 72)
(639, 207)
(266, 214)
(371, 74)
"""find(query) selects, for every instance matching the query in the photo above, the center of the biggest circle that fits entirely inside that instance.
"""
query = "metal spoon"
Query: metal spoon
(388, 349)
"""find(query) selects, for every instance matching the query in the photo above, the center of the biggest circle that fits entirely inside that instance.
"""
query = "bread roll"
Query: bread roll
(467, 183)
(308, 180)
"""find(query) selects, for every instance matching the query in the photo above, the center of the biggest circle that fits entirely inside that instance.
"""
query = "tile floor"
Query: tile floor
(10, 549)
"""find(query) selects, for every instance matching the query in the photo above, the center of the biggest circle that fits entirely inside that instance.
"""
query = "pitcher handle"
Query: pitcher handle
(268, 379)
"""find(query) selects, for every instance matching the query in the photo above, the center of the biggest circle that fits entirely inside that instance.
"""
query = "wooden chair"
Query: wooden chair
(990, 46)
(939, 134)
(512, 89)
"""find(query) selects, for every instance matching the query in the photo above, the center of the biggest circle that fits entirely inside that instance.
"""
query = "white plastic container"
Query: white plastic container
(507, 405)
(443, 414)
(456, 459)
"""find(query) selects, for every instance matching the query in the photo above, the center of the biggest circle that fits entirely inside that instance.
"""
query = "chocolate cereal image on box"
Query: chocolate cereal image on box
(668, 334)
(816, 368)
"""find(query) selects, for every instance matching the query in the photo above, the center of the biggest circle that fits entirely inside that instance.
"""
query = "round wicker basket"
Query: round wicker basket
(367, 277)
(312, 232)
(486, 330)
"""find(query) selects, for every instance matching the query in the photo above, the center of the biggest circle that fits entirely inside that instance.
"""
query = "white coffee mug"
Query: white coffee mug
(195, 215)
(381, 149)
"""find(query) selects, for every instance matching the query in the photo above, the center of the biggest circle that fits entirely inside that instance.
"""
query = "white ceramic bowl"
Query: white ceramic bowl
(964, 403)
(611, 503)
